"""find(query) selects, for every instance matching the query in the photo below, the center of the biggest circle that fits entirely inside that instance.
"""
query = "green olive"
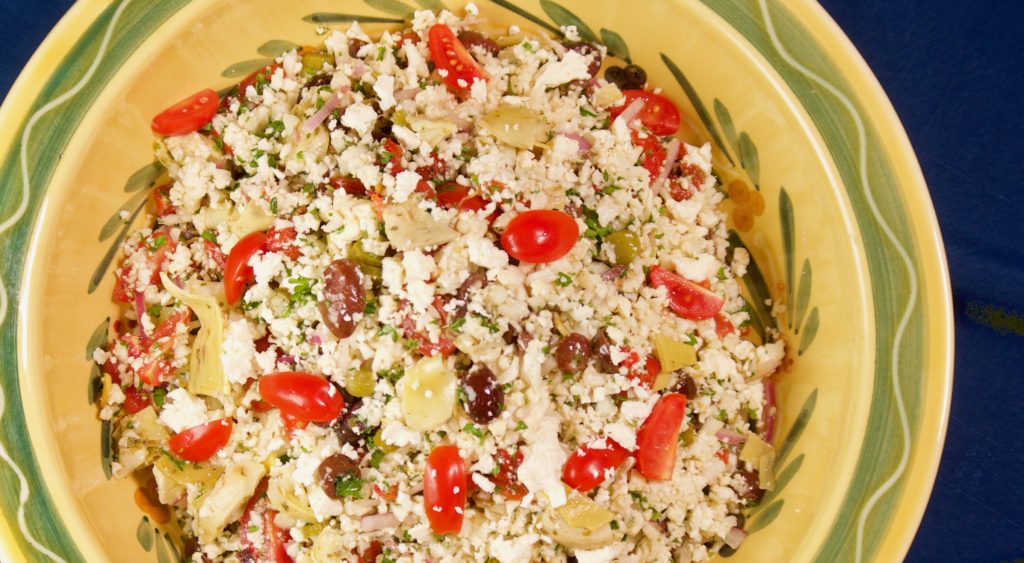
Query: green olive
(360, 382)
(626, 245)
(378, 442)
(398, 118)
(313, 63)
(369, 264)
(689, 436)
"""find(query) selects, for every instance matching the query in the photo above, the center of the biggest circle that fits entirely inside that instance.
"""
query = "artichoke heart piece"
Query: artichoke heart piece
(409, 228)
(517, 126)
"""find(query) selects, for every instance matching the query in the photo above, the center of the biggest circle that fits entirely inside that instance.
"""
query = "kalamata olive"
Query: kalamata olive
(573, 353)
(617, 76)
(344, 298)
(462, 295)
(354, 45)
(636, 77)
(584, 48)
(347, 426)
(333, 467)
(741, 520)
(511, 335)
(472, 39)
(602, 346)
(748, 487)
(687, 386)
(484, 398)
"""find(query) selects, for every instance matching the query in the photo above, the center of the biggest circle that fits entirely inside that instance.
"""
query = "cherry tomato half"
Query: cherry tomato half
(540, 235)
(686, 298)
(659, 115)
(444, 489)
(274, 539)
(647, 372)
(237, 271)
(188, 115)
(451, 56)
(135, 399)
(587, 467)
(302, 396)
(658, 435)
(199, 443)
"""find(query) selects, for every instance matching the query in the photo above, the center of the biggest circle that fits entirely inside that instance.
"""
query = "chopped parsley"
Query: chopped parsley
(489, 323)
(371, 307)
(348, 485)
(388, 330)
(159, 394)
(474, 430)
(563, 280)
(273, 206)
(520, 426)
(594, 228)
(587, 113)
(456, 325)
(158, 242)
(210, 236)
(302, 292)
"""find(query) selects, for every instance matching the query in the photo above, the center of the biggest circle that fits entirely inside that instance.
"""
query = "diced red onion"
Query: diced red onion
(315, 340)
(287, 360)
(317, 118)
(735, 537)
(374, 522)
(770, 413)
(581, 142)
(613, 274)
(406, 94)
(464, 125)
(730, 437)
(671, 155)
(140, 310)
(358, 69)
(631, 111)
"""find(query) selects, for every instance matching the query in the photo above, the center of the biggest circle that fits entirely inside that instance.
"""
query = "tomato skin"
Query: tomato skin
(444, 489)
(392, 152)
(451, 194)
(586, 467)
(214, 253)
(302, 396)
(275, 539)
(161, 198)
(261, 76)
(686, 298)
(540, 236)
(723, 326)
(237, 271)
(283, 241)
(450, 55)
(135, 400)
(352, 186)
(199, 443)
(507, 479)
(188, 115)
(647, 373)
(653, 156)
(658, 436)
(659, 115)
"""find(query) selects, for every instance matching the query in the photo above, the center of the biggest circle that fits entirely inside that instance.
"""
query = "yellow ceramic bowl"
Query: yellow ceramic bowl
(824, 191)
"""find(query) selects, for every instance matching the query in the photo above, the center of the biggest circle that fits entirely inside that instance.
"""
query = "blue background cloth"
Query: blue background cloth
(954, 71)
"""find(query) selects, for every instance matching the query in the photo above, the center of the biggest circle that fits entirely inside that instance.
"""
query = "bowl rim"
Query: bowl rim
(879, 111)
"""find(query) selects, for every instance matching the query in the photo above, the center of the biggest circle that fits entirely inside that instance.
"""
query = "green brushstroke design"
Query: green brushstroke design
(810, 331)
(616, 44)
(766, 516)
(788, 243)
(245, 68)
(803, 295)
(276, 47)
(749, 159)
(523, 13)
(115, 221)
(144, 177)
(144, 533)
(336, 17)
(564, 18)
(698, 106)
(799, 425)
(104, 265)
(393, 7)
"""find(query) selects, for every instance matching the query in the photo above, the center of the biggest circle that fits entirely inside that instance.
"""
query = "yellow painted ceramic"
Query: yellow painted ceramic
(824, 191)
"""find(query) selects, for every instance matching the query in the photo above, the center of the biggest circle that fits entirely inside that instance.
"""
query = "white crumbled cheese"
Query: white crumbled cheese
(183, 410)
(424, 224)
(359, 117)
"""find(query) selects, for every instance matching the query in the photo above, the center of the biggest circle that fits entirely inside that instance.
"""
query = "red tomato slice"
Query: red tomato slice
(649, 372)
(188, 115)
(686, 298)
(653, 156)
(199, 443)
(444, 489)
(391, 157)
(371, 553)
(283, 241)
(587, 467)
(451, 56)
(257, 79)
(237, 271)
(214, 253)
(451, 194)
(723, 326)
(352, 186)
(161, 198)
(540, 236)
(302, 396)
(135, 400)
(658, 435)
(275, 539)
(659, 115)
(507, 479)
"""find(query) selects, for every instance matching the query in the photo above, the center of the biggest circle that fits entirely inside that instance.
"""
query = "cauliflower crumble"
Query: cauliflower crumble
(339, 238)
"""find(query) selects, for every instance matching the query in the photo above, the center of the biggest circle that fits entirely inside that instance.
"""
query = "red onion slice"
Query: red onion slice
(140, 310)
(358, 69)
(730, 437)
(671, 155)
(631, 111)
(374, 522)
(770, 413)
(581, 142)
(406, 94)
(735, 537)
(613, 273)
(317, 118)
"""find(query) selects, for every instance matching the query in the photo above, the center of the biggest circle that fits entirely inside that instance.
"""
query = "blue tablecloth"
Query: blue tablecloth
(954, 71)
